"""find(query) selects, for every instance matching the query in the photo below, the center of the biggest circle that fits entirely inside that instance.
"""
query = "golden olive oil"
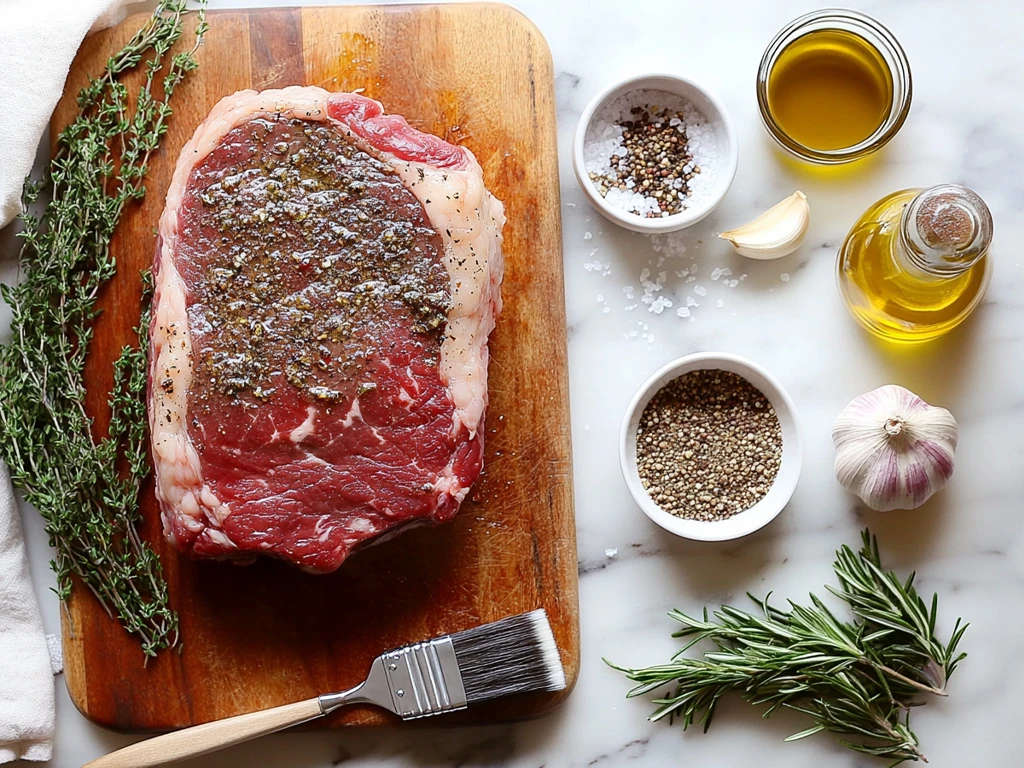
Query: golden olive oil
(899, 280)
(830, 89)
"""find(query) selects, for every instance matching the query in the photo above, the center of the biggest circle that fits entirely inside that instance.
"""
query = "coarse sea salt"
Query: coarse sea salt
(604, 140)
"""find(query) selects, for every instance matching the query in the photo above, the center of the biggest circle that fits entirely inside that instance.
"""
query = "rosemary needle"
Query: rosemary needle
(86, 487)
(857, 679)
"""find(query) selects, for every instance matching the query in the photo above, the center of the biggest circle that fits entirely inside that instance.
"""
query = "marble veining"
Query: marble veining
(967, 543)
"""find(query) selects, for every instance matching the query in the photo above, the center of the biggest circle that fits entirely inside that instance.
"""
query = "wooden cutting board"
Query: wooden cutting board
(266, 634)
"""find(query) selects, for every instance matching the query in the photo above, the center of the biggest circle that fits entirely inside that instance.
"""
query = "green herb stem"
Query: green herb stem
(87, 487)
(857, 679)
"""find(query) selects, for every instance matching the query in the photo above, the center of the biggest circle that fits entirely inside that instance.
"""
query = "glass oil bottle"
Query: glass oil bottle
(916, 264)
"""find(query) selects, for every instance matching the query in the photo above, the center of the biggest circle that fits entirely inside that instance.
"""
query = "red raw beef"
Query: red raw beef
(326, 280)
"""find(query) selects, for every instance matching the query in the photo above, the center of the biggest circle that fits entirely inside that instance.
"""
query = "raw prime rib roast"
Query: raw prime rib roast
(326, 279)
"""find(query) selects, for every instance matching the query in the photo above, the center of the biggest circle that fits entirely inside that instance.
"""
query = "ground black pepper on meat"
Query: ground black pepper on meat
(309, 241)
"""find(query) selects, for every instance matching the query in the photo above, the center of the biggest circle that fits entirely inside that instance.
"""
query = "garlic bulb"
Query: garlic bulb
(775, 233)
(893, 450)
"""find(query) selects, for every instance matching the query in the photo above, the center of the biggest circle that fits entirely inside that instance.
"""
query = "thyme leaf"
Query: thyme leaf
(87, 487)
(857, 679)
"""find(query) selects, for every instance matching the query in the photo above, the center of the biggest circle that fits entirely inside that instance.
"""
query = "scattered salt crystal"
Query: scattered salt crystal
(588, 235)
(716, 273)
(659, 305)
(719, 303)
(611, 552)
(672, 244)
(691, 302)
(784, 277)
(600, 298)
(700, 290)
(570, 205)
(733, 283)
(630, 307)
(606, 310)
(586, 427)
(683, 312)
(628, 290)
(691, 279)
(726, 272)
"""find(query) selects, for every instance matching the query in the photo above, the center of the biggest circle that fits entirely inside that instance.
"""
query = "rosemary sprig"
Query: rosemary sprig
(857, 679)
(86, 487)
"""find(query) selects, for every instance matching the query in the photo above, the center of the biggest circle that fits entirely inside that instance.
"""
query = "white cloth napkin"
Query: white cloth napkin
(38, 41)
(26, 677)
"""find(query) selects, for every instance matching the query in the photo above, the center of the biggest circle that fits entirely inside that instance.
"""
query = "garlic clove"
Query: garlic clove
(775, 233)
(893, 449)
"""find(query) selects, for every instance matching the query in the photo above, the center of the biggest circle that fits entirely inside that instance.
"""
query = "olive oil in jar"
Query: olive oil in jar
(830, 89)
(916, 264)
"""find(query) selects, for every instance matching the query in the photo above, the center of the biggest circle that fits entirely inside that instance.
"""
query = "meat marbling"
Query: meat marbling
(326, 278)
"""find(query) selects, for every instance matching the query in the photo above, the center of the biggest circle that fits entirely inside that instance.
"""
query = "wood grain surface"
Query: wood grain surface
(263, 635)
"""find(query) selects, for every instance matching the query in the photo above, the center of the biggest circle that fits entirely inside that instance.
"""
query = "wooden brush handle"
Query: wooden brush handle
(209, 737)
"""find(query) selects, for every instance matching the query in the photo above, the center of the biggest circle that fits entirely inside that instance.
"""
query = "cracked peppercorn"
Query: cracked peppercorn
(709, 446)
(657, 162)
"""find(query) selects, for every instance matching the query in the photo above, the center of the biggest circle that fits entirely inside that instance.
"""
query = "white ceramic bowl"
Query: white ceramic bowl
(782, 489)
(714, 113)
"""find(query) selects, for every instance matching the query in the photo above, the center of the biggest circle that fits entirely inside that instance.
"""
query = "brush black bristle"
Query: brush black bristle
(513, 655)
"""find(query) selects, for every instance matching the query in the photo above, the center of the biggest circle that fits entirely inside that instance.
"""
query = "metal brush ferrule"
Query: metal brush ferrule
(413, 681)
(424, 678)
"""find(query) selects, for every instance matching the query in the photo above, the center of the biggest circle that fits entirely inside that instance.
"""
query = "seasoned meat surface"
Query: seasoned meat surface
(323, 300)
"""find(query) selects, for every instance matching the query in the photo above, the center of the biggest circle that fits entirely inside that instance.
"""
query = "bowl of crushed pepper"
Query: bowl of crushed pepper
(711, 448)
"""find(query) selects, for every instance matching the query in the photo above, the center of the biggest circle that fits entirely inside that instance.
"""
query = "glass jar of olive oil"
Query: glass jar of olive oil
(916, 263)
(833, 87)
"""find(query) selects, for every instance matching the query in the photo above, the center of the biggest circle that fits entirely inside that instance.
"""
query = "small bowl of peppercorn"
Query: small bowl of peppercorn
(655, 153)
(711, 447)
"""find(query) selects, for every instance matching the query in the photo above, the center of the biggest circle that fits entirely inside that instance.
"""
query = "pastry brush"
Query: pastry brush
(446, 674)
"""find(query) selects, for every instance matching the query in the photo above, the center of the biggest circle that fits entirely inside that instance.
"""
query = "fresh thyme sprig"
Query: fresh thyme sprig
(86, 487)
(857, 679)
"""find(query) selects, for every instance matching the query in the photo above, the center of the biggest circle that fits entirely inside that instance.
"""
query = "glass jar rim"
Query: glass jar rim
(880, 38)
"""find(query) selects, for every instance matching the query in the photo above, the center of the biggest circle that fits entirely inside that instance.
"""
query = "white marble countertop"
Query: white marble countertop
(968, 543)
